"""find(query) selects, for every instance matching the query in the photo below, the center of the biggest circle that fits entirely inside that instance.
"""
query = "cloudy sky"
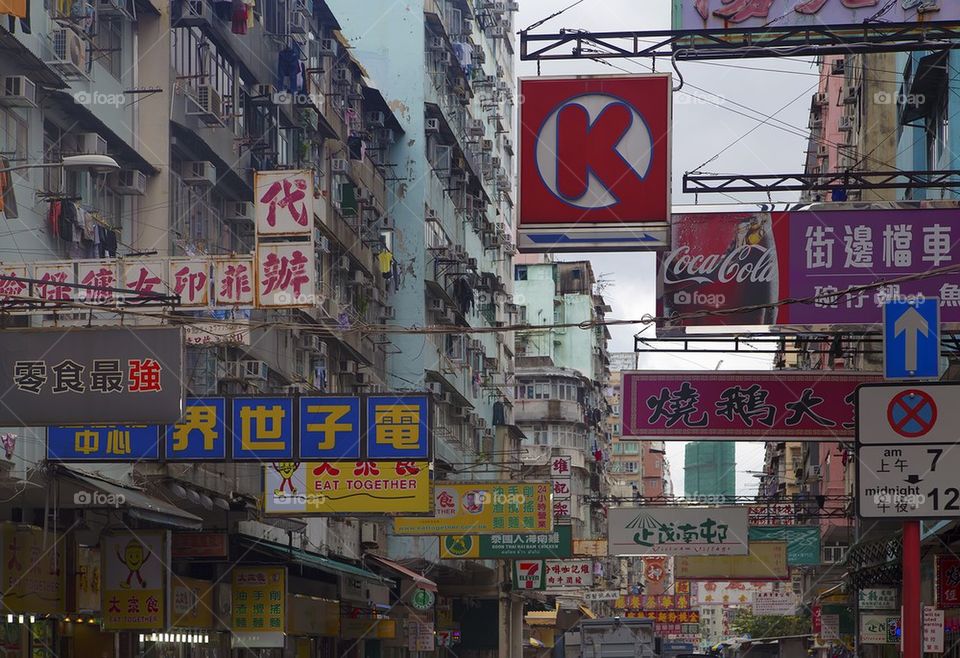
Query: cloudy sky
(743, 116)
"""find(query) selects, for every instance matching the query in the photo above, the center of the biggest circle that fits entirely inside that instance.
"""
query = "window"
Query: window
(15, 135)
(616, 409)
(618, 448)
(630, 448)
(834, 552)
(520, 273)
(109, 42)
(455, 347)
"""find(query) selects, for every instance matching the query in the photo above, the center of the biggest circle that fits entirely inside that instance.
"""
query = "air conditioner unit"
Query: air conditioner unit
(18, 91)
(239, 211)
(112, 8)
(253, 369)
(210, 109)
(91, 143)
(376, 119)
(498, 32)
(387, 136)
(230, 371)
(486, 145)
(513, 5)
(342, 75)
(130, 182)
(447, 397)
(359, 278)
(475, 127)
(303, 7)
(361, 378)
(846, 124)
(460, 412)
(436, 44)
(297, 23)
(815, 122)
(294, 390)
(821, 98)
(823, 151)
(369, 535)
(263, 94)
(340, 165)
(435, 387)
(838, 67)
(431, 215)
(850, 93)
(199, 172)
(387, 313)
(309, 342)
(444, 57)
(479, 56)
(348, 367)
(432, 125)
(193, 13)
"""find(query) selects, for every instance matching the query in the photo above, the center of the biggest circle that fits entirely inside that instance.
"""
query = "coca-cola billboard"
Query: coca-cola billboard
(732, 268)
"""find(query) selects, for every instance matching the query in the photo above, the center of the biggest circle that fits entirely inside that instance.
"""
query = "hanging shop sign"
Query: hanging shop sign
(778, 604)
(136, 580)
(803, 542)
(729, 593)
(423, 599)
(484, 508)
(236, 332)
(200, 545)
(594, 163)
(102, 375)
(192, 603)
(88, 579)
(284, 203)
(728, 261)
(878, 629)
(772, 514)
(766, 561)
(740, 406)
(420, 636)
(259, 596)
(354, 487)
(32, 570)
(878, 598)
(680, 600)
(947, 586)
(820, 14)
(355, 628)
(560, 574)
(561, 474)
(677, 531)
(556, 544)
(529, 574)
(656, 574)
(388, 427)
(307, 615)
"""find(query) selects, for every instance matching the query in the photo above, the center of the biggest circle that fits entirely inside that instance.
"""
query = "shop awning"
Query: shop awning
(311, 559)
(541, 618)
(421, 581)
(135, 502)
(587, 612)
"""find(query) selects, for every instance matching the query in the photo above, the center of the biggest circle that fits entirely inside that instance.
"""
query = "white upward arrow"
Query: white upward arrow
(912, 323)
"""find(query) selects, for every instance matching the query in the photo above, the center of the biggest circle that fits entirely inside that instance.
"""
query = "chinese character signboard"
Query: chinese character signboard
(259, 596)
(484, 508)
(355, 487)
(103, 375)
(740, 406)
(947, 587)
(680, 600)
(556, 544)
(236, 332)
(135, 580)
(878, 598)
(192, 603)
(262, 429)
(875, 629)
(283, 203)
(88, 579)
(200, 545)
(559, 574)
(775, 514)
(32, 570)
(286, 275)
(103, 443)
(766, 561)
(803, 542)
(560, 474)
(719, 15)
(233, 280)
(594, 162)
(728, 261)
(779, 604)
(677, 531)
(729, 593)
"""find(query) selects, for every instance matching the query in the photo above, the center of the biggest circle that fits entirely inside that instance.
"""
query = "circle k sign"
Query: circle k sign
(595, 150)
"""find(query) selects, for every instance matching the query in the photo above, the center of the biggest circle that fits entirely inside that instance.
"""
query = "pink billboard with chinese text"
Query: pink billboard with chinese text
(734, 268)
(741, 406)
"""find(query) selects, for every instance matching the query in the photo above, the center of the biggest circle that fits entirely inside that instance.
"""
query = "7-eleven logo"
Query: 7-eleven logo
(529, 574)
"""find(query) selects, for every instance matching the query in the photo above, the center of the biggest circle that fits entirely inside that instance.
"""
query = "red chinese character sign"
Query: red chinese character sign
(233, 279)
(286, 275)
(13, 287)
(136, 575)
(594, 162)
(561, 476)
(100, 279)
(733, 14)
(283, 202)
(190, 279)
(947, 581)
(740, 406)
(53, 277)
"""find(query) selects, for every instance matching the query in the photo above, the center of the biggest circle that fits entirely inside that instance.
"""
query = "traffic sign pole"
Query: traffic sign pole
(910, 623)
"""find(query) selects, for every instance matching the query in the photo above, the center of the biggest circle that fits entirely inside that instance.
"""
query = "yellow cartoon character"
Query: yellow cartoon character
(286, 471)
(134, 556)
(755, 232)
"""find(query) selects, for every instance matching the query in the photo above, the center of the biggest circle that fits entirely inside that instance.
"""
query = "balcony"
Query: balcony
(567, 411)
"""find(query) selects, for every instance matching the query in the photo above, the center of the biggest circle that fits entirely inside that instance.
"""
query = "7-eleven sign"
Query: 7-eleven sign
(528, 574)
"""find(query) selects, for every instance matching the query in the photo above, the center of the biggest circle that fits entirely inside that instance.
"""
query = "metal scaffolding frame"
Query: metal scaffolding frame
(840, 343)
(697, 183)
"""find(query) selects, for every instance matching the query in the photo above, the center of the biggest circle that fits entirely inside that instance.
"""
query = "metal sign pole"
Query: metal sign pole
(912, 613)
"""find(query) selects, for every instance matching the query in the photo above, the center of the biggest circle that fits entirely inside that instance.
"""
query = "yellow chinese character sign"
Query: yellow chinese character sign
(136, 572)
(32, 570)
(484, 508)
(398, 427)
(338, 487)
(259, 597)
(202, 432)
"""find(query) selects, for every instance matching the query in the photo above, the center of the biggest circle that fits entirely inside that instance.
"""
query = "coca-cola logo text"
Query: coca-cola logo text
(747, 263)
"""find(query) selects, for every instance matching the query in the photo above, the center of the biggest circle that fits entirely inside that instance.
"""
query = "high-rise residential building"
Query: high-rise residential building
(709, 470)
(562, 374)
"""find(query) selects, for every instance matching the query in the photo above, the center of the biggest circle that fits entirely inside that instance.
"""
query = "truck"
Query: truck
(611, 637)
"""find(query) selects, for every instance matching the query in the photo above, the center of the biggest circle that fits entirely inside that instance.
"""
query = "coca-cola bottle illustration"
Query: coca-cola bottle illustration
(720, 261)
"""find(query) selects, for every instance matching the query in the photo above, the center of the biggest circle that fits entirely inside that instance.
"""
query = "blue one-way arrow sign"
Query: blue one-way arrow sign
(911, 339)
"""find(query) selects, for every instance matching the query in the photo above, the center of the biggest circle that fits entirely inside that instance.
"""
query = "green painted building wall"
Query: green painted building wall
(710, 469)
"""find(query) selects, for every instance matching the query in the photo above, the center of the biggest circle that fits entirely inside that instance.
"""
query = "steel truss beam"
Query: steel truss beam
(738, 42)
(772, 343)
(848, 180)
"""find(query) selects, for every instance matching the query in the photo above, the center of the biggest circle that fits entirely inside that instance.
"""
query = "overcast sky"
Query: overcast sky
(720, 110)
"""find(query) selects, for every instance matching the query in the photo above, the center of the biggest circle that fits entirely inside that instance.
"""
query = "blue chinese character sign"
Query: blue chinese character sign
(329, 428)
(263, 429)
(911, 339)
(201, 435)
(398, 427)
(103, 443)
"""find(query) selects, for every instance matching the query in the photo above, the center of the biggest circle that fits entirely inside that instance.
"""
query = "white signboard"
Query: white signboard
(908, 414)
(283, 202)
(876, 629)
(217, 333)
(932, 630)
(568, 573)
(774, 603)
(877, 598)
(908, 481)
(830, 627)
(286, 275)
(677, 531)
(605, 595)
